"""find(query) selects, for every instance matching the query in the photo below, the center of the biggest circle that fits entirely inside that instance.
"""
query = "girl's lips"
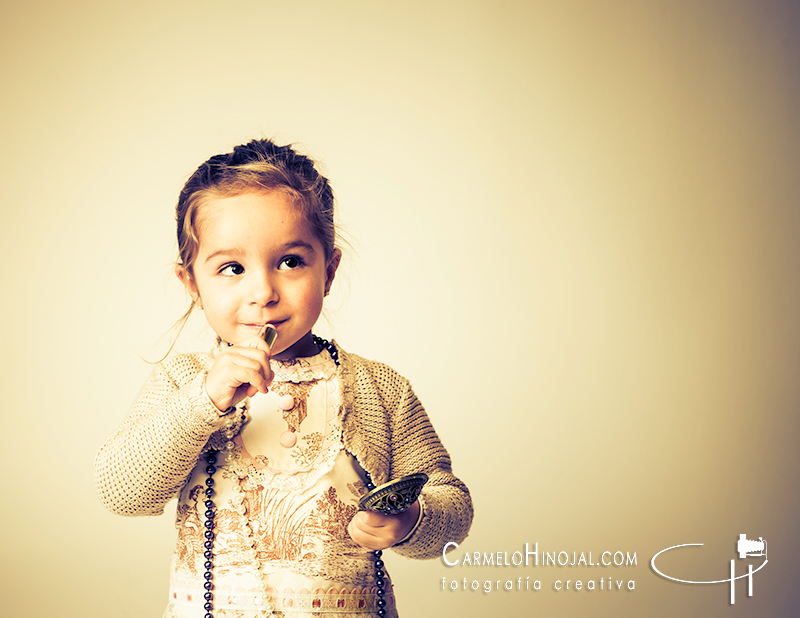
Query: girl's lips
(260, 325)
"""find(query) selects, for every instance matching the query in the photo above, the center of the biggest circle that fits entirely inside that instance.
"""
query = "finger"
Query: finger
(365, 538)
(257, 341)
(377, 525)
(254, 376)
(252, 391)
(256, 349)
(252, 358)
(374, 519)
(235, 371)
(364, 529)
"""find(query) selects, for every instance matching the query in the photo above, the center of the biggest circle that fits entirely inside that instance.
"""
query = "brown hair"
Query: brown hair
(260, 165)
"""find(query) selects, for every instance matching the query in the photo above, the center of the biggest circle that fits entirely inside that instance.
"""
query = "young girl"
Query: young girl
(269, 447)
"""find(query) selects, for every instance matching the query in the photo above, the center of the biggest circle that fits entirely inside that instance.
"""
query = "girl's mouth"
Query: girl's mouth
(259, 325)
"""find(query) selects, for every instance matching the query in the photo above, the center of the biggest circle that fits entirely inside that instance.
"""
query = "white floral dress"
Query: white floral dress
(285, 491)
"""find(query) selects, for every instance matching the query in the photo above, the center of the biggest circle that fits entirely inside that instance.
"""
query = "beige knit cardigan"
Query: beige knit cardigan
(148, 459)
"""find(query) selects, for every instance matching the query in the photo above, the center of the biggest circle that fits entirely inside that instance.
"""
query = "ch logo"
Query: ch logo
(744, 547)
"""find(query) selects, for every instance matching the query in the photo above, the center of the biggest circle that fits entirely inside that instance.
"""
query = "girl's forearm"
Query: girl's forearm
(145, 463)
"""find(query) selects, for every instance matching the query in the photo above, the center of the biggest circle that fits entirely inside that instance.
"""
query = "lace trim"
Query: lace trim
(319, 367)
(356, 600)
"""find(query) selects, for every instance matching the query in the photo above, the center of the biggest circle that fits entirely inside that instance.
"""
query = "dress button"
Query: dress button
(288, 439)
(286, 402)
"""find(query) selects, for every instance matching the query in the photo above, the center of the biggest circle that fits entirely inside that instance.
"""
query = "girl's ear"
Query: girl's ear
(330, 269)
(187, 280)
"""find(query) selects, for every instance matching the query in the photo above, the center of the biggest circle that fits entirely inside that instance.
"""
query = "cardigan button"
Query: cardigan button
(286, 402)
(288, 439)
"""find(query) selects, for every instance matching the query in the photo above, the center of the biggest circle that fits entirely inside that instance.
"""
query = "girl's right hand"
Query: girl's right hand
(239, 371)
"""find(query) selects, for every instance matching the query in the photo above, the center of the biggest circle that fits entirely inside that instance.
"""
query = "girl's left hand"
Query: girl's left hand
(377, 531)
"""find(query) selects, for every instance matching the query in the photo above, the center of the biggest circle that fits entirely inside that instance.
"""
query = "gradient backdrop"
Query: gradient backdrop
(573, 225)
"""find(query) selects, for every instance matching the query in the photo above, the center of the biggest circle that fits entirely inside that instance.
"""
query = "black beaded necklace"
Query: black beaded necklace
(208, 545)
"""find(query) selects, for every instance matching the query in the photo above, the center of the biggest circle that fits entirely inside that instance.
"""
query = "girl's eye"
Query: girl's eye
(231, 270)
(290, 262)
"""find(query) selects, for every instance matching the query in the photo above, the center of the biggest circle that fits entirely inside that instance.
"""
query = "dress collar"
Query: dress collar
(302, 369)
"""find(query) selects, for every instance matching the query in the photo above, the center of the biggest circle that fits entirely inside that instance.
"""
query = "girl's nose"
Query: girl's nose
(264, 291)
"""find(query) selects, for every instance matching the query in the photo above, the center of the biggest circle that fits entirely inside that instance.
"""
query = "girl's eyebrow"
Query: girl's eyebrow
(297, 244)
(232, 252)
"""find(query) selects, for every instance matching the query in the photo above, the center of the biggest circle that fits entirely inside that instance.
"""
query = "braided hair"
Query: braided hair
(258, 166)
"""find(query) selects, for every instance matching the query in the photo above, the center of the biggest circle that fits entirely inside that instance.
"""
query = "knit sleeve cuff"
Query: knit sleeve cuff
(203, 409)
(445, 519)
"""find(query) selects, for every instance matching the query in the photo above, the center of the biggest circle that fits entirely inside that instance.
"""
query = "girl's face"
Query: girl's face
(259, 263)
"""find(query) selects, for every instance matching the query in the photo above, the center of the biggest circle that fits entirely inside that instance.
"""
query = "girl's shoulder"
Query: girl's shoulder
(183, 368)
(371, 374)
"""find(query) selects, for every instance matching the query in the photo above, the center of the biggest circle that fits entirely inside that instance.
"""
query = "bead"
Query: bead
(379, 564)
(208, 596)
(379, 573)
(208, 616)
(380, 582)
(380, 592)
(209, 534)
(381, 602)
(288, 439)
(381, 612)
(208, 586)
(208, 555)
(286, 402)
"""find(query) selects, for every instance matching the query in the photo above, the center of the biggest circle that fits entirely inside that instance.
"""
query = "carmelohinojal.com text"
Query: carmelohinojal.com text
(531, 557)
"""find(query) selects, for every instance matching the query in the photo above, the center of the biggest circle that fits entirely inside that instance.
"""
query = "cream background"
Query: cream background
(575, 227)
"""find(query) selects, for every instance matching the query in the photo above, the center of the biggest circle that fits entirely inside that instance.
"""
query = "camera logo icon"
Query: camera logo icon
(745, 547)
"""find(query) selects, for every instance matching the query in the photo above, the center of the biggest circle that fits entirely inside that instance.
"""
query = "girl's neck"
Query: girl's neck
(302, 348)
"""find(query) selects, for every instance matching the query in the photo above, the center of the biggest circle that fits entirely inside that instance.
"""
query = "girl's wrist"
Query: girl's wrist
(414, 527)
(211, 401)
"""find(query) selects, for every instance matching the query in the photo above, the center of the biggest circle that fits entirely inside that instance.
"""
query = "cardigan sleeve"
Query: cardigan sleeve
(388, 431)
(445, 500)
(146, 461)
